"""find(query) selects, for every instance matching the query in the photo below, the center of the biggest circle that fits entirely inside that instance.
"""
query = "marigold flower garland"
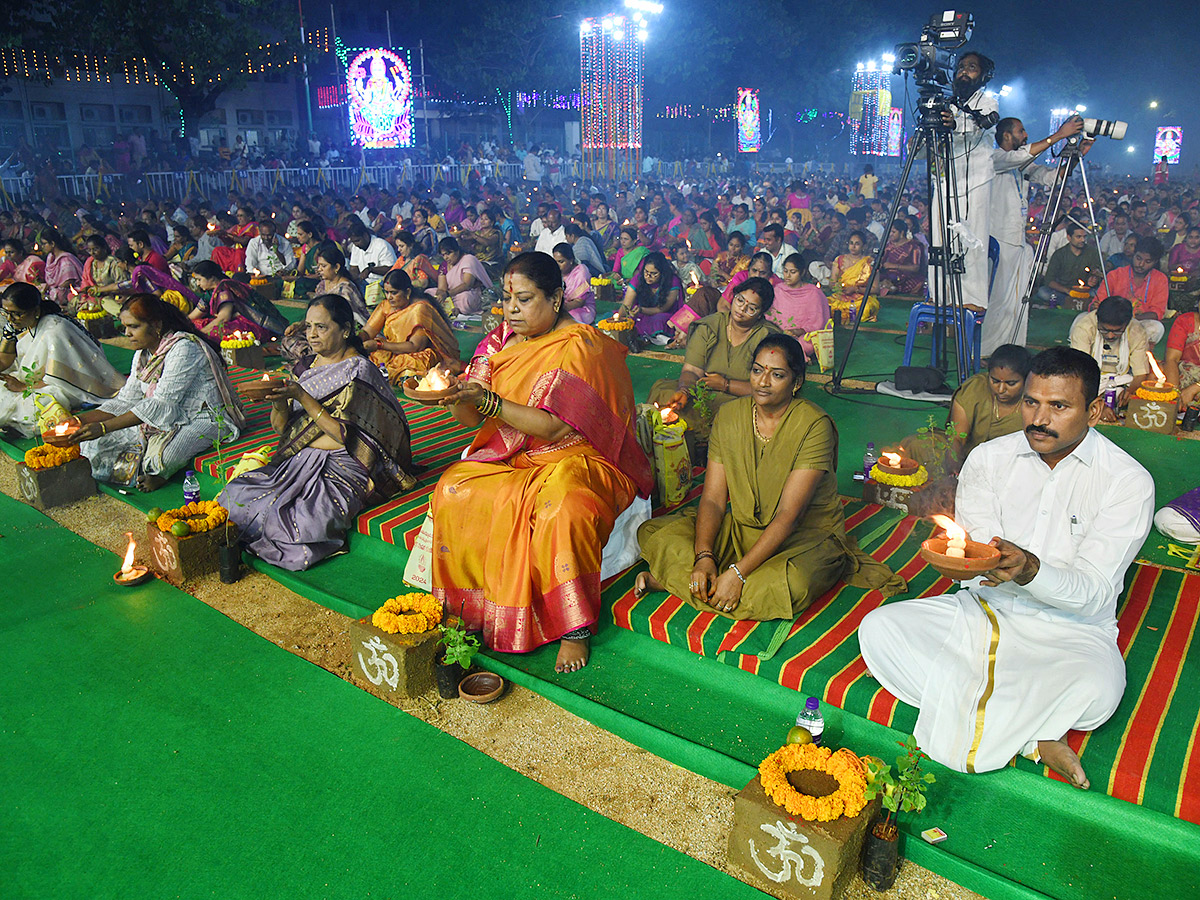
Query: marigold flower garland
(918, 477)
(237, 343)
(408, 614)
(1146, 393)
(615, 324)
(44, 456)
(845, 768)
(90, 314)
(203, 515)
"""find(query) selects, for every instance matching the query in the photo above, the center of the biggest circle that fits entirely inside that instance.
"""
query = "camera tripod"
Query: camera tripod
(1068, 158)
(947, 259)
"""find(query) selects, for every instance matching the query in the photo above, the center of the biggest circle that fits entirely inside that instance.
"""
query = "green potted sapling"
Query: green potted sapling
(902, 792)
(455, 658)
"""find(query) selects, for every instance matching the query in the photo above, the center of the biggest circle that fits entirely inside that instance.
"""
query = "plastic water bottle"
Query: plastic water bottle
(811, 720)
(191, 487)
(869, 459)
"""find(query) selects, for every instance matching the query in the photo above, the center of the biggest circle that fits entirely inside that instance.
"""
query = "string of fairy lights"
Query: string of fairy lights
(611, 52)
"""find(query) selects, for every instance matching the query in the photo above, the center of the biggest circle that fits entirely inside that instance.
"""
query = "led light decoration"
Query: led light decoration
(611, 103)
(379, 90)
(331, 96)
(895, 131)
(1167, 141)
(870, 109)
(749, 122)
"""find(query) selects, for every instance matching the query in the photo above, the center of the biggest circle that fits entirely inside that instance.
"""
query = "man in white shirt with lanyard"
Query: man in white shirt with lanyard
(1021, 656)
(1013, 159)
(974, 116)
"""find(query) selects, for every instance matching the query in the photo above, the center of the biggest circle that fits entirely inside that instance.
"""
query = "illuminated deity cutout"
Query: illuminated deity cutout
(379, 87)
(749, 122)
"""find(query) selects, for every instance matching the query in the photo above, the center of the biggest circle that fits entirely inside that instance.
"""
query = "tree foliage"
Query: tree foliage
(198, 49)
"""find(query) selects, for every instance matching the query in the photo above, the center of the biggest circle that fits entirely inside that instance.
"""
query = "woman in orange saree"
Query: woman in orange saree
(407, 333)
(520, 523)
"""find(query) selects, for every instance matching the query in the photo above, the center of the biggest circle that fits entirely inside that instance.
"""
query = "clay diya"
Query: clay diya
(896, 464)
(259, 389)
(129, 573)
(435, 385)
(62, 434)
(955, 555)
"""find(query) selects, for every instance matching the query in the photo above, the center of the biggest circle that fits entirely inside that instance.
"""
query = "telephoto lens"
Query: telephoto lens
(1105, 128)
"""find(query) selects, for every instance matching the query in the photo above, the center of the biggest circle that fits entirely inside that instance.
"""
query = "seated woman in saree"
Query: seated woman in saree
(101, 267)
(768, 536)
(652, 295)
(177, 401)
(416, 265)
(902, 262)
(335, 279)
(47, 355)
(578, 296)
(63, 271)
(719, 353)
(851, 272)
(228, 305)
(463, 279)
(142, 279)
(231, 255)
(485, 241)
(305, 239)
(520, 523)
(343, 440)
(629, 253)
(800, 306)
(409, 333)
(20, 266)
(759, 267)
(730, 261)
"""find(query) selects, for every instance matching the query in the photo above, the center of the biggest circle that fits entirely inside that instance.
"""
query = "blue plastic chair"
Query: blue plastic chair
(923, 314)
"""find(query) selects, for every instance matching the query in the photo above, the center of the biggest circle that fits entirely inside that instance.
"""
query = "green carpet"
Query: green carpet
(154, 748)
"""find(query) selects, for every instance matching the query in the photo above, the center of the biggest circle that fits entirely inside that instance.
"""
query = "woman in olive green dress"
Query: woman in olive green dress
(719, 352)
(988, 405)
(768, 536)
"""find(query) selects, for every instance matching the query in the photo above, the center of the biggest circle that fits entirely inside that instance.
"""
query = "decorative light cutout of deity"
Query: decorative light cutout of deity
(749, 121)
(379, 89)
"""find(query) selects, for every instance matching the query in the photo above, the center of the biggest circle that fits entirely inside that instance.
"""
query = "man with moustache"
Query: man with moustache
(1028, 652)
(972, 120)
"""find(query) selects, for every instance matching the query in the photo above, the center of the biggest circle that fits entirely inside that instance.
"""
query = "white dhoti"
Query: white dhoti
(991, 682)
(970, 233)
(1007, 319)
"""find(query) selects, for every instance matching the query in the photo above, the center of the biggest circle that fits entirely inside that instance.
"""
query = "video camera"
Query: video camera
(931, 60)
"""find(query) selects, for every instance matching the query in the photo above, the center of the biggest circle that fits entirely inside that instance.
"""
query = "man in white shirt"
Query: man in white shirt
(974, 117)
(1027, 652)
(268, 253)
(370, 259)
(1007, 320)
(552, 233)
(872, 225)
(1112, 241)
(773, 246)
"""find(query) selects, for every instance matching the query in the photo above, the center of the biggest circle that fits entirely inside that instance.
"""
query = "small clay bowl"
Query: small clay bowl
(980, 558)
(906, 467)
(258, 389)
(482, 687)
(146, 574)
(54, 439)
(412, 393)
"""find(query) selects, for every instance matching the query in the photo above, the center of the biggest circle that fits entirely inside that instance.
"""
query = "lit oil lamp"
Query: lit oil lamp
(955, 555)
(1160, 383)
(896, 463)
(131, 574)
(695, 285)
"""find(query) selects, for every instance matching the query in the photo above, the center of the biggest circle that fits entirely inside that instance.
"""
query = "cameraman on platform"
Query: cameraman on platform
(972, 120)
(1013, 160)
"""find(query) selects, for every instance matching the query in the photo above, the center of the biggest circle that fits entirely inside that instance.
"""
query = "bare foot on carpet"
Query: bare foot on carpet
(644, 584)
(572, 655)
(1062, 759)
(150, 483)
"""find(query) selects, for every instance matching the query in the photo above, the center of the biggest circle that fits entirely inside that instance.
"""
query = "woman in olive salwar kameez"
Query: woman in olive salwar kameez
(768, 536)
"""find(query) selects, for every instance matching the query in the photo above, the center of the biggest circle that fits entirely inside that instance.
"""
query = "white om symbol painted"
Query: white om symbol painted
(28, 485)
(785, 835)
(1151, 415)
(164, 553)
(381, 667)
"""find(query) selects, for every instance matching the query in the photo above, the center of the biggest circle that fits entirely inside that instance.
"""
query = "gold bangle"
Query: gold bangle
(317, 417)
(103, 429)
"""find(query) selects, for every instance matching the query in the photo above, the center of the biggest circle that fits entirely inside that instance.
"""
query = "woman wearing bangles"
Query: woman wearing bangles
(719, 353)
(343, 440)
(520, 523)
(768, 536)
